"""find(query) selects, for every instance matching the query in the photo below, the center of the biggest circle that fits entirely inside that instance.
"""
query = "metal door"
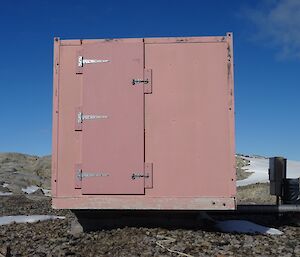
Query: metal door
(112, 118)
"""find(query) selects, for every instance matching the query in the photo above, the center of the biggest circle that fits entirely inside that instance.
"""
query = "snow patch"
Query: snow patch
(5, 193)
(30, 189)
(5, 220)
(46, 192)
(260, 167)
(244, 226)
(5, 185)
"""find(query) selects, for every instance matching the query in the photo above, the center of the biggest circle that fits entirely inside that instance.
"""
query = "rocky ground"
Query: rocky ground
(60, 237)
(56, 238)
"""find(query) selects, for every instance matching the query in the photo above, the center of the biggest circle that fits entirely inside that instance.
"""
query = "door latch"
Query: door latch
(137, 81)
(134, 176)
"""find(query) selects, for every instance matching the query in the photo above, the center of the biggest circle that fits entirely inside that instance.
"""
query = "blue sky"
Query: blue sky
(267, 58)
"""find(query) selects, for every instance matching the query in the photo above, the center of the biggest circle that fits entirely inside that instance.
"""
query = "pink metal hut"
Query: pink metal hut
(144, 123)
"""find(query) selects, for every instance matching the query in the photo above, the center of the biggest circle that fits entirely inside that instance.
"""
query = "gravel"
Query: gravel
(65, 237)
(54, 237)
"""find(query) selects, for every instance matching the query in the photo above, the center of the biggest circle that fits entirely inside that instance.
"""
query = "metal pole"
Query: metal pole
(261, 209)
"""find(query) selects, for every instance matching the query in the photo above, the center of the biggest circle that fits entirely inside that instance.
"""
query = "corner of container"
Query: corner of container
(229, 34)
(56, 39)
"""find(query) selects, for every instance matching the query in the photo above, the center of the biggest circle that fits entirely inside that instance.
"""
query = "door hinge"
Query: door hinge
(81, 117)
(77, 176)
(80, 175)
(146, 81)
(148, 170)
(82, 61)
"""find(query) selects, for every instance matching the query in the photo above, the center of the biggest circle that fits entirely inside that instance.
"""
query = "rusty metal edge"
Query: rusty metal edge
(150, 40)
(231, 109)
(56, 63)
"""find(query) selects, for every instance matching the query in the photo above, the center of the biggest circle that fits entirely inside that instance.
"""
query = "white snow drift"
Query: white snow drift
(244, 226)
(5, 220)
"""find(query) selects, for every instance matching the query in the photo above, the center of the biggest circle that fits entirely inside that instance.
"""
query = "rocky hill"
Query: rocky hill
(241, 162)
(19, 171)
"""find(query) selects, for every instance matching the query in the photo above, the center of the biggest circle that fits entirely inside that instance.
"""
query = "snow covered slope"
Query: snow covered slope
(259, 166)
